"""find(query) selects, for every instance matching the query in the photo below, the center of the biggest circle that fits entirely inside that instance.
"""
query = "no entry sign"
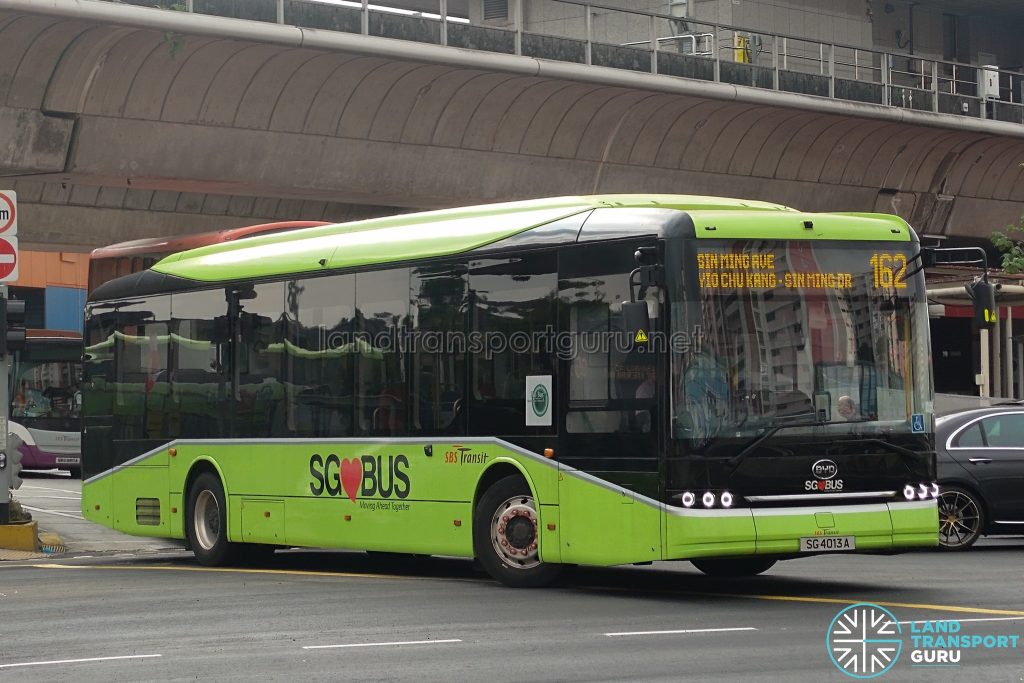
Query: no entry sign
(8, 213)
(8, 259)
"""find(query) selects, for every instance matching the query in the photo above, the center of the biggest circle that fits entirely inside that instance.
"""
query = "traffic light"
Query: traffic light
(12, 325)
(14, 444)
(983, 295)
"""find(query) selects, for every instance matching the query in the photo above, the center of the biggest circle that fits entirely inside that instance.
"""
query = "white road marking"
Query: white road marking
(678, 631)
(53, 512)
(37, 497)
(402, 642)
(930, 621)
(46, 488)
(76, 661)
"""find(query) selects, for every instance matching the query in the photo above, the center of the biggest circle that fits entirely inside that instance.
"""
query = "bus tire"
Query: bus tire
(207, 522)
(734, 568)
(506, 536)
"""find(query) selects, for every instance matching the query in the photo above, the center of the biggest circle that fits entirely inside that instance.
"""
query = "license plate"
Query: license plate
(820, 544)
(67, 461)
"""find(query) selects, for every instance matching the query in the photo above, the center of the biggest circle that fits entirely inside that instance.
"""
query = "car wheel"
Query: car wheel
(506, 537)
(748, 566)
(960, 519)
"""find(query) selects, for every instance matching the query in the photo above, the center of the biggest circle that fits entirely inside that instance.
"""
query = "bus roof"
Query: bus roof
(169, 245)
(408, 237)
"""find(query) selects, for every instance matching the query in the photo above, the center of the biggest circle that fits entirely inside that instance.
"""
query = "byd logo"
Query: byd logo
(824, 469)
(367, 476)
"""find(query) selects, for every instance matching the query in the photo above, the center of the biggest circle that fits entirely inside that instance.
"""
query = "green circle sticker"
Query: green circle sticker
(539, 400)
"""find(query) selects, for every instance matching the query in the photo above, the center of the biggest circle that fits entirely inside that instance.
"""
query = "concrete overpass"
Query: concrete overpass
(126, 121)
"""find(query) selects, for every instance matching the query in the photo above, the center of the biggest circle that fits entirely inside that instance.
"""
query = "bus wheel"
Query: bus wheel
(506, 537)
(207, 523)
(745, 566)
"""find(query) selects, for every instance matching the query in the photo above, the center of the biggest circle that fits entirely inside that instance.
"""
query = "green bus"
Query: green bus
(592, 380)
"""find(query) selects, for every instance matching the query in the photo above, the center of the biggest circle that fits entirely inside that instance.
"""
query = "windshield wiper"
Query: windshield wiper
(770, 432)
(774, 429)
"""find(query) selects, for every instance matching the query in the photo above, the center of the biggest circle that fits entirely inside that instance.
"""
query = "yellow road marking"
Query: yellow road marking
(226, 570)
(773, 598)
(906, 605)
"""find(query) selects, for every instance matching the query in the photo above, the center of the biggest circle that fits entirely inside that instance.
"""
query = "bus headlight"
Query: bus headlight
(922, 491)
(726, 499)
(689, 499)
(708, 499)
(935, 490)
(908, 492)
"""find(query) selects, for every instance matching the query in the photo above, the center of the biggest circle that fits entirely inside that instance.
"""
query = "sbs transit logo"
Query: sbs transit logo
(864, 640)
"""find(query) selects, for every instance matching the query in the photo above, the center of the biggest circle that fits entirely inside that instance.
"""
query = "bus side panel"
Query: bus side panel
(141, 500)
(708, 533)
(98, 500)
(362, 495)
(421, 527)
(605, 524)
(914, 524)
(368, 495)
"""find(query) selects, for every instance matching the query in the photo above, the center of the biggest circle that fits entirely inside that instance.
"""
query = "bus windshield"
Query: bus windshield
(45, 385)
(823, 336)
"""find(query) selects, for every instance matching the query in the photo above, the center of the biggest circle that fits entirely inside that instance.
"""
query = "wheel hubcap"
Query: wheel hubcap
(514, 533)
(959, 519)
(206, 520)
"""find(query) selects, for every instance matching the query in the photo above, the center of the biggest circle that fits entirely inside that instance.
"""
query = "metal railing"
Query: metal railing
(640, 40)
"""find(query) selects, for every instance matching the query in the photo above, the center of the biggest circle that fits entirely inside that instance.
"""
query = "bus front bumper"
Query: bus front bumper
(879, 527)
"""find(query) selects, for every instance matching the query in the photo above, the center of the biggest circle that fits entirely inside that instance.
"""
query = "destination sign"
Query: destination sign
(760, 271)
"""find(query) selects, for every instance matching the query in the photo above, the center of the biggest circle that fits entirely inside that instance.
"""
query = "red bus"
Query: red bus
(124, 258)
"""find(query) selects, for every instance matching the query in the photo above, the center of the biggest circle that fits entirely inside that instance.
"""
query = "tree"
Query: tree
(1011, 243)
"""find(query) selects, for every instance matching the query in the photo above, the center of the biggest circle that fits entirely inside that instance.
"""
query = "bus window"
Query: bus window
(439, 296)
(381, 391)
(321, 356)
(261, 367)
(512, 306)
(140, 379)
(199, 352)
(611, 381)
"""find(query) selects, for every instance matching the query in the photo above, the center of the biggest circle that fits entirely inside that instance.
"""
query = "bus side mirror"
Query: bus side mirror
(637, 320)
(983, 295)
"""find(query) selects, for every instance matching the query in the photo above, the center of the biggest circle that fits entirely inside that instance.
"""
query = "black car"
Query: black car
(981, 474)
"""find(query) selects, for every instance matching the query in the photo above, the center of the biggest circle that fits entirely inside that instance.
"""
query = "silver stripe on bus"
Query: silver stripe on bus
(819, 496)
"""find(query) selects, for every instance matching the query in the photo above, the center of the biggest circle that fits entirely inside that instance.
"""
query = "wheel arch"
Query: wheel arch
(199, 466)
(496, 471)
(499, 469)
(972, 488)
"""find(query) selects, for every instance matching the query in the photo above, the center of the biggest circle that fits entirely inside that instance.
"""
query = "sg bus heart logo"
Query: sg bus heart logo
(351, 477)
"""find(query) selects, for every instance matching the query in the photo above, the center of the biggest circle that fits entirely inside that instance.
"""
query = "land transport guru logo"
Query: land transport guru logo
(866, 640)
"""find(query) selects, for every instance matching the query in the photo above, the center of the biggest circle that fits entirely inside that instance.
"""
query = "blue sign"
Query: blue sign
(917, 423)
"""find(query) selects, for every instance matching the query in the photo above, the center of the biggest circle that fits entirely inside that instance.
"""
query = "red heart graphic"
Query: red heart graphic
(821, 486)
(351, 476)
